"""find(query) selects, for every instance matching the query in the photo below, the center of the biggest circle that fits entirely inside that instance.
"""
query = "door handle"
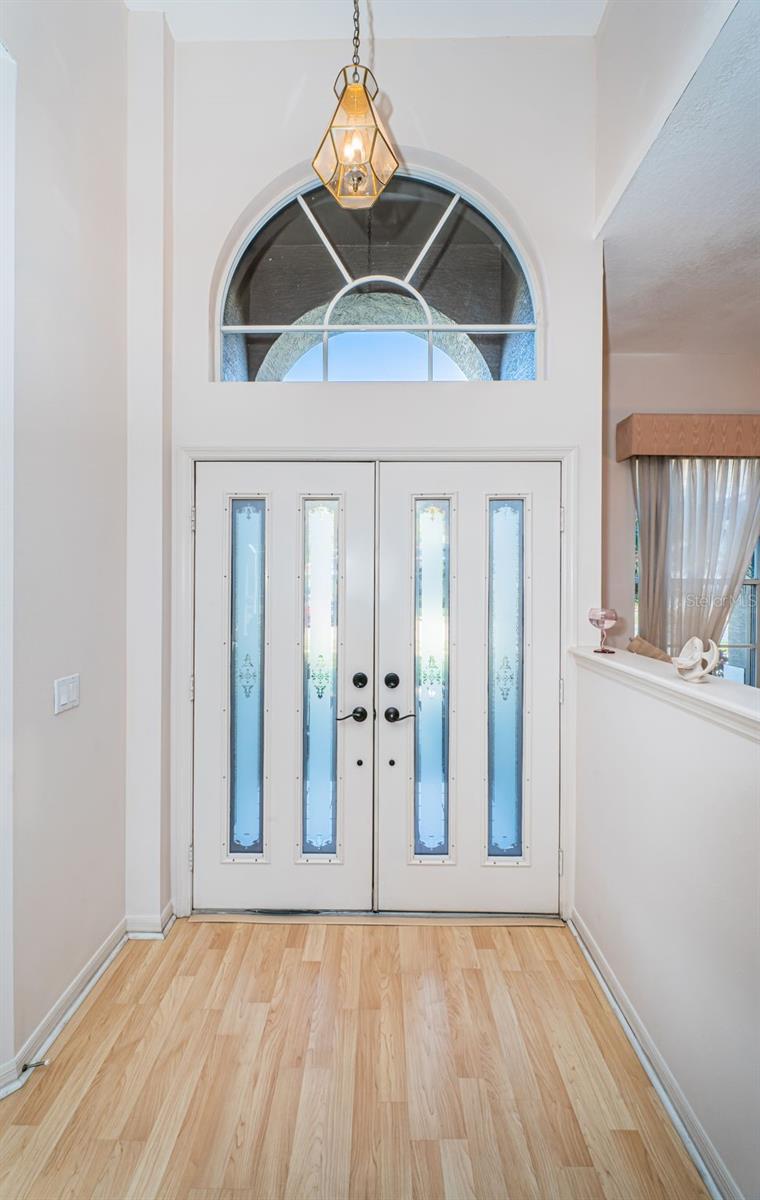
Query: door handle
(358, 714)
(393, 716)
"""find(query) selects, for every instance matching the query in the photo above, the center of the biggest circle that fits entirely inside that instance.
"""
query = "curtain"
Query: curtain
(699, 520)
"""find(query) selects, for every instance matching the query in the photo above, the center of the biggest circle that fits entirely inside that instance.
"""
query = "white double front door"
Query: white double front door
(377, 686)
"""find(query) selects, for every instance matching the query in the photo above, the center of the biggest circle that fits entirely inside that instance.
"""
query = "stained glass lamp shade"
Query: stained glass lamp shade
(355, 161)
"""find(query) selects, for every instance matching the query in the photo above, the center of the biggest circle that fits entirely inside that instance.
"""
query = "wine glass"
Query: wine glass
(603, 619)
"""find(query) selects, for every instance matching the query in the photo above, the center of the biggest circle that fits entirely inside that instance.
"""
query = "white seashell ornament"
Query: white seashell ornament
(695, 663)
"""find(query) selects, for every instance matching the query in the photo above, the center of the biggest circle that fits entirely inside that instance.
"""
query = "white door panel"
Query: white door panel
(436, 771)
(283, 547)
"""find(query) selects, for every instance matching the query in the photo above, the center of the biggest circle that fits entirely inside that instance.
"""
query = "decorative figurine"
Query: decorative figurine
(603, 619)
(694, 663)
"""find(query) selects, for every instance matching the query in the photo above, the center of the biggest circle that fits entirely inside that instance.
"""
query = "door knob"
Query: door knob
(392, 680)
(360, 679)
(358, 714)
(392, 715)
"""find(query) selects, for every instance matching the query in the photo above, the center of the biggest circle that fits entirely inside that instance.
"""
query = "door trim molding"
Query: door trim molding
(183, 620)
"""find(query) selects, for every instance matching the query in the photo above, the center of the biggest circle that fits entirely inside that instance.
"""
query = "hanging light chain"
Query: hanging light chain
(355, 159)
(355, 59)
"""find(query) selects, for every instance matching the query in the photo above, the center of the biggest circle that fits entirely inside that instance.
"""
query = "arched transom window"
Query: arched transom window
(422, 286)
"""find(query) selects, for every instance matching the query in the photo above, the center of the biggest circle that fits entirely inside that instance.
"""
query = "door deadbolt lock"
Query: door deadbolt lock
(360, 679)
(392, 680)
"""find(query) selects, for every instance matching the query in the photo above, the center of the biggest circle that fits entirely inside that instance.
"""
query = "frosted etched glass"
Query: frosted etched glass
(320, 676)
(247, 677)
(505, 672)
(431, 752)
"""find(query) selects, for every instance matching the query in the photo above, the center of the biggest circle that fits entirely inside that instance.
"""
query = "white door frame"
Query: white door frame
(183, 621)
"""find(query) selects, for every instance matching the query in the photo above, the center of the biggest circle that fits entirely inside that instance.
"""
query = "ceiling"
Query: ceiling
(285, 20)
(682, 249)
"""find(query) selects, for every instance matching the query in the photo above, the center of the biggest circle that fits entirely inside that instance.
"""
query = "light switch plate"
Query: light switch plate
(66, 693)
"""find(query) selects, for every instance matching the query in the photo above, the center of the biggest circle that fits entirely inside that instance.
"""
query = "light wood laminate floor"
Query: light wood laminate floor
(253, 1062)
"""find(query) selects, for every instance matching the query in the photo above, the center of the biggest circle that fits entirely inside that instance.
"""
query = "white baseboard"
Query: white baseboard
(147, 927)
(68, 1002)
(714, 1173)
(12, 1075)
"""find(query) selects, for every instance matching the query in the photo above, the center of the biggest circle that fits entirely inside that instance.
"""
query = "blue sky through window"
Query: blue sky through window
(379, 356)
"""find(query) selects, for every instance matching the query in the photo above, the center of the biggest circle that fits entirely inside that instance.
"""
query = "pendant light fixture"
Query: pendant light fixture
(355, 160)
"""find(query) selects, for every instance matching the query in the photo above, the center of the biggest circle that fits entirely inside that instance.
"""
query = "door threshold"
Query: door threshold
(260, 917)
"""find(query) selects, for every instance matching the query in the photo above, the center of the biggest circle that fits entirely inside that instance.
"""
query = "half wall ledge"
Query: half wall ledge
(718, 700)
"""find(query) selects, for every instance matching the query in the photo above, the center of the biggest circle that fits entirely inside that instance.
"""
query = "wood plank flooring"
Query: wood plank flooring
(321, 1062)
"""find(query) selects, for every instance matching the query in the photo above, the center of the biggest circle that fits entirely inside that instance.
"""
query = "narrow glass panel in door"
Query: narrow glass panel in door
(431, 683)
(505, 667)
(320, 676)
(247, 676)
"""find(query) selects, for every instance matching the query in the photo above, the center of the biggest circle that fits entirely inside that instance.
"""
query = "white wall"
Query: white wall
(149, 248)
(668, 861)
(512, 122)
(70, 489)
(7, 338)
(512, 116)
(247, 120)
(647, 52)
(675, 383)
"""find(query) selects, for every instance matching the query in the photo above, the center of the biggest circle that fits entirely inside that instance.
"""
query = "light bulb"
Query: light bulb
(353, 149)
